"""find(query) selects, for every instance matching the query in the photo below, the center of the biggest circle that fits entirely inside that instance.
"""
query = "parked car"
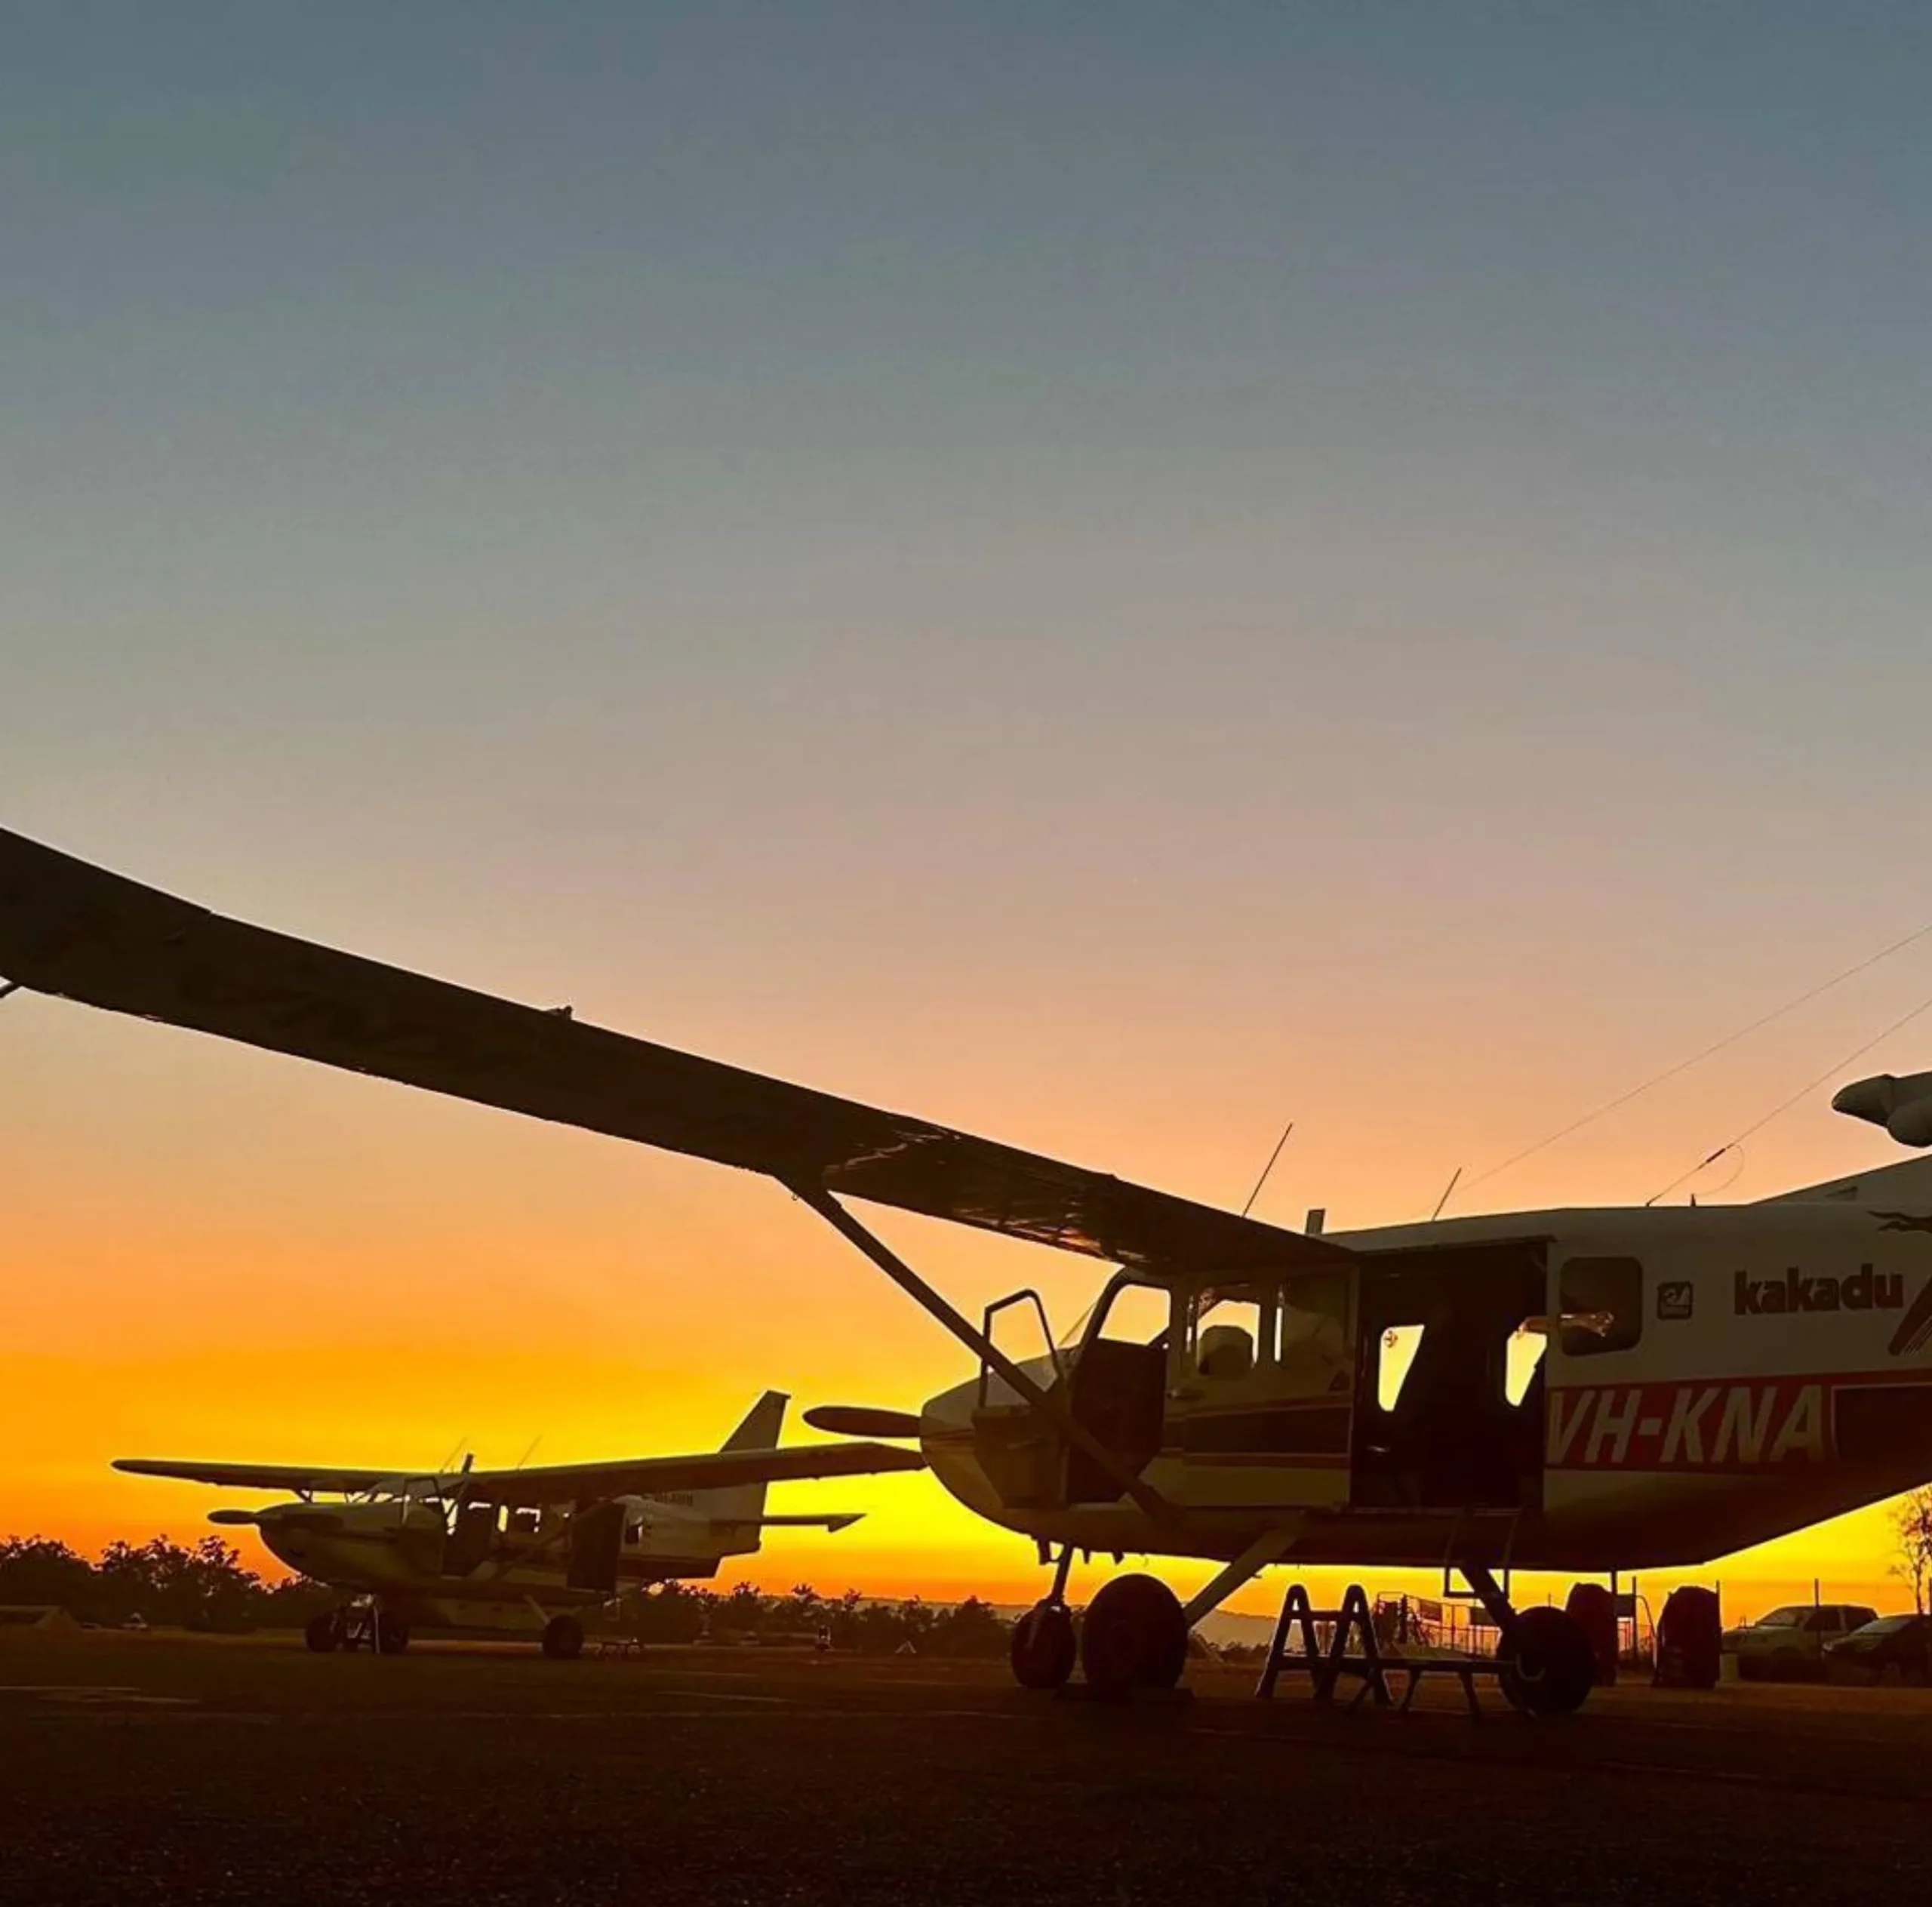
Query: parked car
(1894, 1649)
(1789, 1645)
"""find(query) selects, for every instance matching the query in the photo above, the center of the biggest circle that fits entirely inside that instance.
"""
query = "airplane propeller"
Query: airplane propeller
(234, 1519)
(861, 1420)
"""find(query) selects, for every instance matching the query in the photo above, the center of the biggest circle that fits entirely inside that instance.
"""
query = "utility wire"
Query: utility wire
(1785, 1105)
(1697, 1059)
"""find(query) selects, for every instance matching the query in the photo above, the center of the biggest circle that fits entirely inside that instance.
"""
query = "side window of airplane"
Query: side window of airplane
(1601, 1301)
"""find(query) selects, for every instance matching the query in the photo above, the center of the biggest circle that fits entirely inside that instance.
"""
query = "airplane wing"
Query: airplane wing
(294, 1477)
(559, 1482)
(646, 1476)
(73, 930)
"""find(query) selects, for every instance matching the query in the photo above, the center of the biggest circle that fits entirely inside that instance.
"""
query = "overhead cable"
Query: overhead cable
(1784, 1106)
(1697, 1059)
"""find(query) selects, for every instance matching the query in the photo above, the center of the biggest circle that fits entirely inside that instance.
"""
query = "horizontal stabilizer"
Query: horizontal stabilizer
(862, 1420)
(835, 1523)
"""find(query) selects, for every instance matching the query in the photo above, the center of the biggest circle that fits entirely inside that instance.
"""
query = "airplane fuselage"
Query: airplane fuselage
(397, 1550)
(1758, 1369)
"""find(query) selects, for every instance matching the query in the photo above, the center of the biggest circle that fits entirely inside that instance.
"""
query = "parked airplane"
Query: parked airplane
(1708, 1377)
(522, 1550)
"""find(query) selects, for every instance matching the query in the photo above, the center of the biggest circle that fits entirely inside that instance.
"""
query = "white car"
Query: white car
(1789, 1645)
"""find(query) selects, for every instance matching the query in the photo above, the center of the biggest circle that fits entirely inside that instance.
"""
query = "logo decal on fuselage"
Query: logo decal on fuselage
(1863, 1290)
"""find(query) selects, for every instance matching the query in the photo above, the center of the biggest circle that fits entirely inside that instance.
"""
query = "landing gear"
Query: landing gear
(351, 1626)
(1043, 1646)
(563, 1638)
(1133, 1636)
(1547, 1665)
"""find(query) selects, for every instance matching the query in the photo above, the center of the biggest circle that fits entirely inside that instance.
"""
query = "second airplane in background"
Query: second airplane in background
(523, 1551)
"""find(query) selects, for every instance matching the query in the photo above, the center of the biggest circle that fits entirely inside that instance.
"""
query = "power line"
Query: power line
(1697, 1059)
(1784, 1106)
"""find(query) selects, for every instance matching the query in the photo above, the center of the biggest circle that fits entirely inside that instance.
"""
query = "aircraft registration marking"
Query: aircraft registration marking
(1713, 1424)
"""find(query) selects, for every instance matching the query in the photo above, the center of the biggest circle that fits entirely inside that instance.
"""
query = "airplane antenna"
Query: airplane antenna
(531, 1452)
(1268, 1168)
(1804, 1092)
(1446, 1191)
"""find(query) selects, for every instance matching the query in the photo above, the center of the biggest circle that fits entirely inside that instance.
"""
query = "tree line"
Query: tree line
(208, 1587)
(680, 1612)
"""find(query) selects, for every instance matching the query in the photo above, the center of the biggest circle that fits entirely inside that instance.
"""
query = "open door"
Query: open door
(1449, 1388)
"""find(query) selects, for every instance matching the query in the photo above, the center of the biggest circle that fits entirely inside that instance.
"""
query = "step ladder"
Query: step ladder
(1296, 1645)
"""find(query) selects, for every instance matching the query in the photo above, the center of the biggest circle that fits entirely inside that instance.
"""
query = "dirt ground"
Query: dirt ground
(138, 1768)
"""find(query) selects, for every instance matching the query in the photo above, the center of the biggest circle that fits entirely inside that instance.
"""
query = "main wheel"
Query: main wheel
(563, 1638)
(1043, 1646)
(1133, 1636)
(1547, 1664)
(323, 1633)
(391, 1637)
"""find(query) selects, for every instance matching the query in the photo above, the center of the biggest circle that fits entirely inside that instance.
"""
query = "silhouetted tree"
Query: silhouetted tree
(1912, 1519)
(39, 1569)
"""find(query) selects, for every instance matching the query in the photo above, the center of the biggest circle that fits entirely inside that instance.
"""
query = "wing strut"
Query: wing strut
(1051, 1404)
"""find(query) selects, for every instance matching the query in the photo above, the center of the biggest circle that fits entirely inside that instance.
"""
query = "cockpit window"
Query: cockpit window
(1602, 1305)
(1134, 1314)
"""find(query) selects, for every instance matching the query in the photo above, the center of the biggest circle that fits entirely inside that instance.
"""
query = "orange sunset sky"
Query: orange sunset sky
(1107, 583)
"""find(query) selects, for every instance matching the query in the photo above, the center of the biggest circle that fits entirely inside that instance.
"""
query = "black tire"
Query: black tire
(1548, 1665)
(323, 1633)
(391, 1637)
(1891, 1674)
(1133, 1636)
(563, 1638)
(1787, 1666)
(1044, 1647)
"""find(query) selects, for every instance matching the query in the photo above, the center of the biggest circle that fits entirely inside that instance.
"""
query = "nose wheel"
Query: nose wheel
(1043, 1646)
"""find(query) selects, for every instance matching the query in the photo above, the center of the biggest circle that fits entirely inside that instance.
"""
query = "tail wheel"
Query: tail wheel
(1043, 1646)
(1548, 1665)
(323, 1633)
(563, 1638)
(391, 1637)
(1133, 1636)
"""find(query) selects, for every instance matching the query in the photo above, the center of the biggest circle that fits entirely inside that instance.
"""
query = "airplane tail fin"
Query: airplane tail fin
(743, 1504)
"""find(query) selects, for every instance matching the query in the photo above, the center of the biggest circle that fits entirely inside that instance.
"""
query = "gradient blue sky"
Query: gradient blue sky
(1108, 573)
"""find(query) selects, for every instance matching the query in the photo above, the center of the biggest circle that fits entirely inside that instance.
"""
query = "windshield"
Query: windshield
(1887, 1625)
(1791, 1618)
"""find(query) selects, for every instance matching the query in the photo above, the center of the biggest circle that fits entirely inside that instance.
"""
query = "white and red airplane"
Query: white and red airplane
(1708, 1377)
